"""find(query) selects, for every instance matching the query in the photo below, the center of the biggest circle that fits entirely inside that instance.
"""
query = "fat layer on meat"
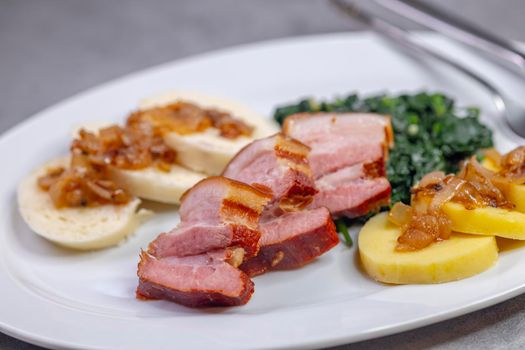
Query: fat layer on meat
(216, 213)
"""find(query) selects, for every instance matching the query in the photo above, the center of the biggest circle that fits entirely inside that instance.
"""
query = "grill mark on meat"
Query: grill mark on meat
(237, 189)
(295, 203)
(240, 188)
(292, 145)
(300, 186)
(374, 169)
(294, 153)
(299, 195)
(294, 157)
(262, 188)
(246, 238)
(235, 212)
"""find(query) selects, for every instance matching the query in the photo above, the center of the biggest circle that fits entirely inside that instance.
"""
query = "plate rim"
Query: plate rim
(50, 342)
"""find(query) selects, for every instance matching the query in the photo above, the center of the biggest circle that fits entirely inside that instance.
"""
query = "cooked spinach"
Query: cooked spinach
(430, 132)
(342, 227)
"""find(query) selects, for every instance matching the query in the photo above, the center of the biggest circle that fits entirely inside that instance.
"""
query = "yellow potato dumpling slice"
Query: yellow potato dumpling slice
(514, 193)
(459, 257)
(487, 221)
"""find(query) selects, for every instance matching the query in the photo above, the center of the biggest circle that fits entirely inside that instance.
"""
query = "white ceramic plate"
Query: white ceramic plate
(57, 298)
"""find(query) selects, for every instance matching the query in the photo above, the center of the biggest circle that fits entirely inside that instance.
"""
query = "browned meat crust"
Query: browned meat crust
(293, 252)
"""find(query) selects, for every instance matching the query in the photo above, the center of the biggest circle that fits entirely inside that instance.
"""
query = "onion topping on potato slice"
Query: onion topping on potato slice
(424, 222)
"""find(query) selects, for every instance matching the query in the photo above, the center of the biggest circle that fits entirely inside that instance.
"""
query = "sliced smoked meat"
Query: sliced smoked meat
(338, 140)
(278, 163)
(347, 157)
(353, 191)
(290, 237)
(355, 198)
(195, 281)
(215, 213)
(292, 240)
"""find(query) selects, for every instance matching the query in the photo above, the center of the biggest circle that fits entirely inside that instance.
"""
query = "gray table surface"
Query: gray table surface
(52, 49)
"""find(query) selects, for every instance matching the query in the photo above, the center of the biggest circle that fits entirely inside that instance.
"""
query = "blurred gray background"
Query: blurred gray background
(52, 49)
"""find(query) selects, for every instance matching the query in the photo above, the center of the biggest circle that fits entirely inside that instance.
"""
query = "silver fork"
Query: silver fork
(512, 113)
(504, 52)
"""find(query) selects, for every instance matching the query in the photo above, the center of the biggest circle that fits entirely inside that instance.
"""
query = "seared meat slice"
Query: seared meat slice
(290, 236)
(279, 164)
(292, 240)
(354, 199)
(340, 140)
(196, 281)
(353, 191)
(347, 157)
(196, 263)
(215, 213)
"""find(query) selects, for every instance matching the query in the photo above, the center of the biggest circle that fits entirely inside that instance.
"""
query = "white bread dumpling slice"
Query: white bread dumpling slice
(154, 184)
(150, 183)
(208, 151)
(77, 228)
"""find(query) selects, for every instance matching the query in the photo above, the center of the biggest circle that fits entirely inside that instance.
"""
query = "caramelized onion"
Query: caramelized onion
(99, 190)
(422, 230)
(481, 170)
(493, 155)
(81, 187)
(514, 158)
(419, 204)
(137, 145)
(474, 186)
(513, 166)
(46, 181)
(400, 214)
(432, 178)
(445, 193)
(517, 176)
(414, 239)
(186, 118)
(489, 191)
